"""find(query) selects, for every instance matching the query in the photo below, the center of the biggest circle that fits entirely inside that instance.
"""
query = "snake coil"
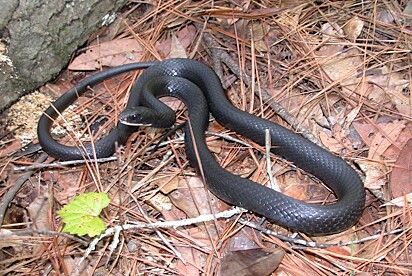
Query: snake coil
(199, 87)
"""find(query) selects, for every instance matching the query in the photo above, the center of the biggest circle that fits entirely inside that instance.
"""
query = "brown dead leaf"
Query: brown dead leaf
(253, 262)
(68, 188)
(375, 175)
(168, 185)
(332, 31)
(353, 28)
(291, 18)
(245, 240)
(400, 202)
(343, 67)
(370, 134)
(215, 146)
(185, 36)
(110, 53)
(339, 250)
(331, 143)
(160, 202)
(295, 188)
(71, 263)
(13, 241)
(193, 207)
(177, 50)
(191, 197)
(260, 29)
(173, 102)
(394, 85)
(340, 65)
(387, 135)
(193, 257)
(39, 211)
(401, 176)
(12, 147)
(365, 131)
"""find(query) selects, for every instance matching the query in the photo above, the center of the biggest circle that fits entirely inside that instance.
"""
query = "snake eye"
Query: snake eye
(135, 117)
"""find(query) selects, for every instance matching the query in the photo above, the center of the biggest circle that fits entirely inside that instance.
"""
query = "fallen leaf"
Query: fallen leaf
(369, 131)
(245, 239)
(295, 187)
(215, 146)
(39, 211)
(340, 65)
(293, 15)
(194, 258)
(177, 50)
(68, 184)
(192, 199)
(339, 250)
(387, 135)
(253, 262)
(375, 175)
(81, 214)
(331, 143)
(400, 201)
(168, 185)
(331, 31)
(353, 28)
(401, 175)
(393, 84)
(186, 36)
(12, 147)
(110, 53)
(71, 263)
(173, 102)
(11, 240)
(260, 30)
(160, 202)
(365, 131)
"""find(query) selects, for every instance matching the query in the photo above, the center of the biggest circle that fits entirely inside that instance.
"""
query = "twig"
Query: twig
(278, 108)
(154, 225)
(65, 163)
(161, 236)
(8, 197)
(272, 182)
(305, 244)
(43, 232)
(229, 138)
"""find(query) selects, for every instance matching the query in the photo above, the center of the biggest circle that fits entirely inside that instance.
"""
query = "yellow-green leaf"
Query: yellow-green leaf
(81, 214)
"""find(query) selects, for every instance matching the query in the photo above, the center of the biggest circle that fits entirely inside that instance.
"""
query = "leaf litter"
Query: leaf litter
(341, 69)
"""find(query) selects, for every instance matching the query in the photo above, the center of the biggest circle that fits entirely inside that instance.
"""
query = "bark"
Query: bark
(37, 38)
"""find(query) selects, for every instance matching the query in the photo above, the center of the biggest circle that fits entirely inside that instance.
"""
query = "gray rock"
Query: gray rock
(39, 36)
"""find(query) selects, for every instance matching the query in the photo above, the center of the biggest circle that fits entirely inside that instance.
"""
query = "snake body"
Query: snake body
(199, 87)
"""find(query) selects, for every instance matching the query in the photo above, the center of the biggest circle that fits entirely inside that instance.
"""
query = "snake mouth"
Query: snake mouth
(127, 123)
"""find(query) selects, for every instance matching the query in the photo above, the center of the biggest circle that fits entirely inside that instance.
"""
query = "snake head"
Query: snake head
(137, 116)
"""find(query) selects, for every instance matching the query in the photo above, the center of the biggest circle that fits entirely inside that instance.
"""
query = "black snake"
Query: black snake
(199, 87)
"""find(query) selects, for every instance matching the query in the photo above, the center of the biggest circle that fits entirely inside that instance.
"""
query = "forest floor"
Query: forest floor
(339, 73)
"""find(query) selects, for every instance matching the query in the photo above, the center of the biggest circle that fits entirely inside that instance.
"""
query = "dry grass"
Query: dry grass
(331, 80)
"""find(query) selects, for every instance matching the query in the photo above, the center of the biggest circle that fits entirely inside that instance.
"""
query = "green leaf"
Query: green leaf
(81, 214)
